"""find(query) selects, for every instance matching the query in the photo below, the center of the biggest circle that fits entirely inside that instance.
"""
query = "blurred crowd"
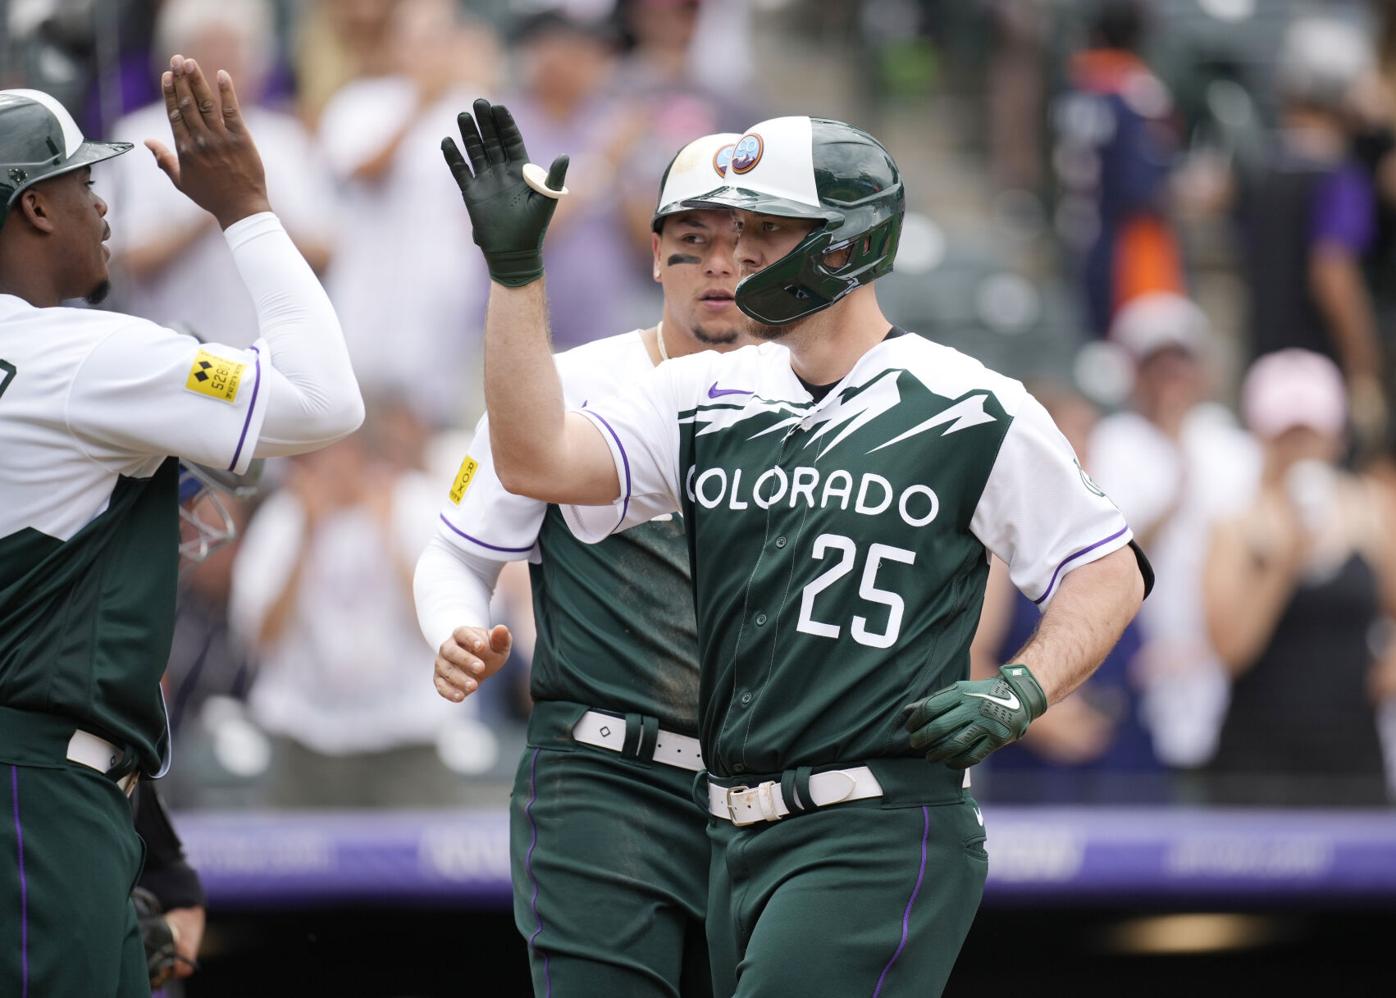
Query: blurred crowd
(1175, 220)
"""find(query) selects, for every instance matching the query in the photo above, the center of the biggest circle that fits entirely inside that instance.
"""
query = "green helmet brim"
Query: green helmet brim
(85, 155)
(760, 203)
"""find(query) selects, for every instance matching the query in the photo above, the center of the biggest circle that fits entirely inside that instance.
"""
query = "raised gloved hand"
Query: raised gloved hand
(509, 214)
(961, 724)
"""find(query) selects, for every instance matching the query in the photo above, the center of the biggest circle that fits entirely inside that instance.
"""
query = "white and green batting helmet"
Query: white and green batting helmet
(694, 170)
(38, 140)
(827, 171)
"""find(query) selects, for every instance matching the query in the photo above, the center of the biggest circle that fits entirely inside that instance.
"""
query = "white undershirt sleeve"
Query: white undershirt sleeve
(312, 396)
(452, 588)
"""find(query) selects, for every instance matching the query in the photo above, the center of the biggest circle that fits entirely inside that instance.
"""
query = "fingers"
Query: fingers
(489, 133)
(557, 173)
(177, 124)
(509, 138)
(184, 100)
(232, 110)
(449, 691)
(455, 162)
(501, 641)
(210, 111)
(165, 160)
(470, 135)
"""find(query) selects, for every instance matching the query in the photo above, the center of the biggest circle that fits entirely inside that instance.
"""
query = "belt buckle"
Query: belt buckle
(765, 804)
(732, 809)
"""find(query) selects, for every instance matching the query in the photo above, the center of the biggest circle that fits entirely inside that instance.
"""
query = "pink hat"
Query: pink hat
(1291, 388)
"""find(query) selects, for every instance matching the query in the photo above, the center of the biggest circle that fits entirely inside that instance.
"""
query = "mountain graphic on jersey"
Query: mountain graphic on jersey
(856, 407)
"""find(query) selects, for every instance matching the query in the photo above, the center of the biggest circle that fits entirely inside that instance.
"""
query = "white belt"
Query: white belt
(608, 732)
(765, 802)
(101, 755)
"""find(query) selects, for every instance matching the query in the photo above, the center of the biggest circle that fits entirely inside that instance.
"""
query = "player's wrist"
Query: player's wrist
(1025, 684)
(232, 214)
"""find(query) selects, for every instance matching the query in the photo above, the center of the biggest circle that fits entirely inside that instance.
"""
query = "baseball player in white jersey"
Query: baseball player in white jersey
(96, 409)
(842, 497)
(609, 848)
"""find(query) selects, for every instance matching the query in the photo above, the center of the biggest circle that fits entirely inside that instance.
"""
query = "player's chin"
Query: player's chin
(99, 291)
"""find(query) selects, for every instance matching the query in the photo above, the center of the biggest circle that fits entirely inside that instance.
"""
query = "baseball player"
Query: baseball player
(92, 407)
(841, 499)
(610, 856)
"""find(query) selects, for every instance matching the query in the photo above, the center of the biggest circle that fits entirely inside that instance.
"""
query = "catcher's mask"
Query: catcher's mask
(205, 522)
(814, 168)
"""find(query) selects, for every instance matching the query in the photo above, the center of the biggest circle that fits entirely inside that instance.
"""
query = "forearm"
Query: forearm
(1085, 619)
(1338, 288)
(1244, 593)
(539, 449)
(452, 589)
(312, 395)
(145, 261)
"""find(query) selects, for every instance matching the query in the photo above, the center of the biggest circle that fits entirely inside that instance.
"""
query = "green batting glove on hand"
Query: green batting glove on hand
(961, 724)
(509, 217)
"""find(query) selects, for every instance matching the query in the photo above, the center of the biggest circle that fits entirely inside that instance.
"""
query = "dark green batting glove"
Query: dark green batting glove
(509, 215)
(961, 724)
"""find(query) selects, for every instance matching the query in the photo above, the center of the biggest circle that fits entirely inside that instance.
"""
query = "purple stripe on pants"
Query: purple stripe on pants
(528, 866)
(915, 891)
(23, 891)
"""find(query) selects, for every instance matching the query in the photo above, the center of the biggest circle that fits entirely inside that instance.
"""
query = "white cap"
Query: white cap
(696, 169)
(1158, 321)
(1291, 388)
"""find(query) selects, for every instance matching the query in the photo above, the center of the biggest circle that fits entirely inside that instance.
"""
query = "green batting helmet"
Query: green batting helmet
(39, 139)
(833, 173)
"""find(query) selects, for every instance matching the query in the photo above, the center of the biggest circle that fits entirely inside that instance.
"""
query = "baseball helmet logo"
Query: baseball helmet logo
(747, 153)
(722, 158)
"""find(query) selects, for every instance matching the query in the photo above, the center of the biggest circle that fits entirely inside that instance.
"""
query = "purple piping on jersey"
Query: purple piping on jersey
(624, 460)
(1072, 557)
(246, 423)
(23, 892)
(528, 866)
(915, 891)
(476, 540)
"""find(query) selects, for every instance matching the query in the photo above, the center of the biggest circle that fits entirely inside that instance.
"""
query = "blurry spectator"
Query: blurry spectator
(178, 268)
(338, 41)
(1307, 217)
(1115, 149)
(656, 79)
(322, 588)
(598, 280)
(1296, 586)
(1090, 747)
(1174, 462)
(1014, 92)
(403, 280)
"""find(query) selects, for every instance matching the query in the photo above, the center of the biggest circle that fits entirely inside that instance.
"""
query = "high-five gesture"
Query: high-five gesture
(217, 167)
(509, 201)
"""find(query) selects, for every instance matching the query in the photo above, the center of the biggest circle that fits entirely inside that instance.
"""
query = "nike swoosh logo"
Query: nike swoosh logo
(1011, 701)
(715, 392)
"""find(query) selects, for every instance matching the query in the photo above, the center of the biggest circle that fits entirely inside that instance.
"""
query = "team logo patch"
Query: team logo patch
(214, 376)
(747, 153)
(464, 477)
(722, 159)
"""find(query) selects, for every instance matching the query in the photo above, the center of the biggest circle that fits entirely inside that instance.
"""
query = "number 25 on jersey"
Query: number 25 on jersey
(846, 550)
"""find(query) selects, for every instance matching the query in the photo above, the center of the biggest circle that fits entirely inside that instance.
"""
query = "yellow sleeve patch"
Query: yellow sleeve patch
(468, 467)
(214, 376)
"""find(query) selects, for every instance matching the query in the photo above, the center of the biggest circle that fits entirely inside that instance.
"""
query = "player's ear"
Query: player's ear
(654, 249)
(35, 209)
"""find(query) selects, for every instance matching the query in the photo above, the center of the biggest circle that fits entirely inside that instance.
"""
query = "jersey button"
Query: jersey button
(746, 698)
(760, 619)
(738, 768)
(780, 541)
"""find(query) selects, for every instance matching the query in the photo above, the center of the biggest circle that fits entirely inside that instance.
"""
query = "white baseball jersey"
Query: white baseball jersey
(840, 545)
(615, 621)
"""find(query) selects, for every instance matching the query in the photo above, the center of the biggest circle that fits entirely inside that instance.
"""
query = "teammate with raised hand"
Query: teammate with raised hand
(842, 497)
(610, 855)
(96, 408)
